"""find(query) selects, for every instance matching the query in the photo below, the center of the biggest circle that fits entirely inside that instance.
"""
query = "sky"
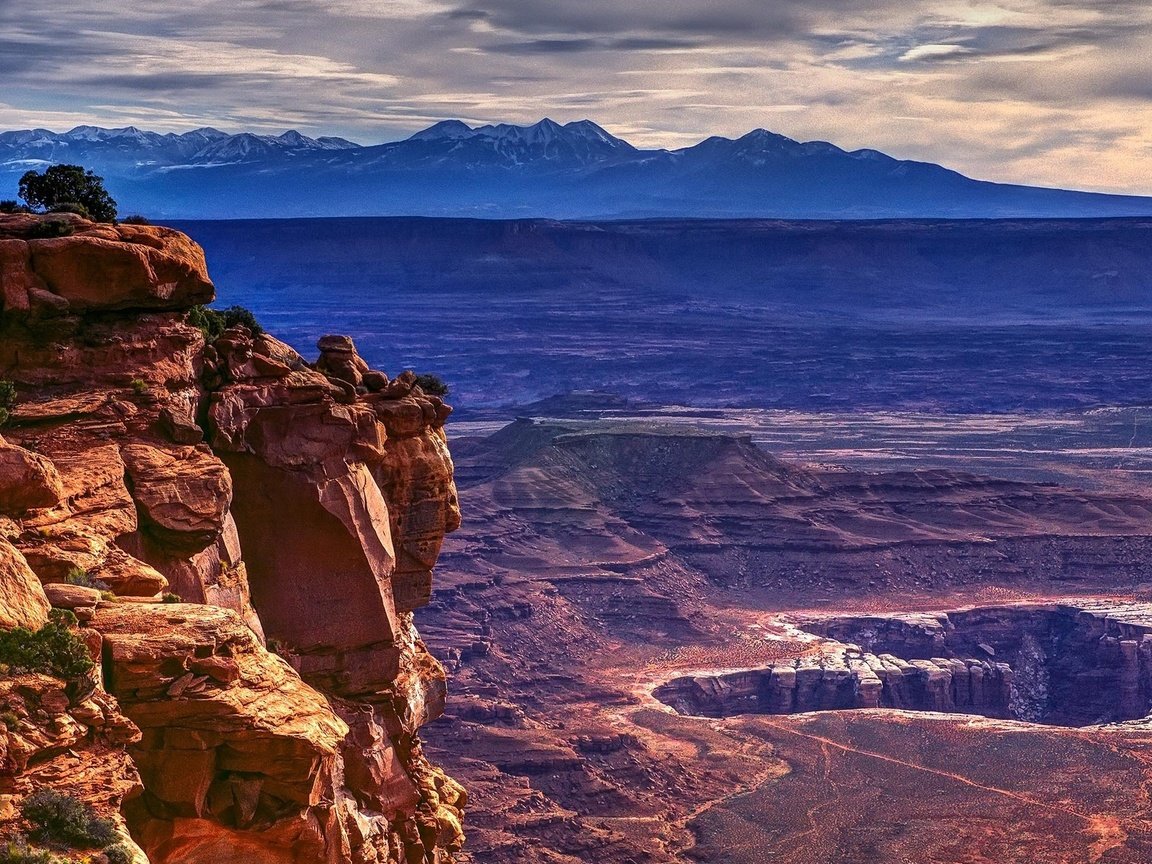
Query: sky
(1047, 92)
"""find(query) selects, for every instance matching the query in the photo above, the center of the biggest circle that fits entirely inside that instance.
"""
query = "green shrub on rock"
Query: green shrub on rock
(118, 854)
(65, 820)
(213, 322)
(52, 650)
(433, 385)
(78, 576)
(17, 851)
(71, 207)
(50, 228)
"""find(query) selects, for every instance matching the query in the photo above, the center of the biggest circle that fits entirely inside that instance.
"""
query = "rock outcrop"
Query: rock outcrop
(287, 504)
(1060, 664)
(834, 683)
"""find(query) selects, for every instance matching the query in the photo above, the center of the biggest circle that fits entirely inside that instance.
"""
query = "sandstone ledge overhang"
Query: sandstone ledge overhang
(97, 267)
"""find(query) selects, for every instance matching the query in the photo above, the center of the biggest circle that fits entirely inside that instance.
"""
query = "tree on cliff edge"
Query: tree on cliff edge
(60, 185)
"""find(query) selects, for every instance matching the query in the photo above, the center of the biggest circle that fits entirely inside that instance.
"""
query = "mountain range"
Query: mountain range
(575, 170)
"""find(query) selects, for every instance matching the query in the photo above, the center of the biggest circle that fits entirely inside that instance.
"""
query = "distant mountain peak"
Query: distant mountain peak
(445, 129)
(761, 134)
(294, 138)
(593, 132)
(546, 169)
(208, 132)
(542, 132)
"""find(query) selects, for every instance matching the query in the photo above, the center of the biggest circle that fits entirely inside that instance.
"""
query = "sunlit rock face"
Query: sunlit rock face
(272, 502)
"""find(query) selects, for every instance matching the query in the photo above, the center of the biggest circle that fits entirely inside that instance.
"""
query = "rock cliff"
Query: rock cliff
(242, 537)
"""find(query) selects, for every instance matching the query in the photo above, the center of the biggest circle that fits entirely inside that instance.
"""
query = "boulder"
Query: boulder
(64, 596)
(127, 268)
(28, 481)
(22, 600)
(339, 360)
(182, 493)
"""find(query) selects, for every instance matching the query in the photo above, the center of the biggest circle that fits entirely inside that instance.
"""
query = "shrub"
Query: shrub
(53, 649)
(7, 400)
(10, 206)
(76, 576)
(136, 219)
(139, 386)
(17, 851)
(213, 322)
(68, 184)
(71, 207)
(433, 385)
(10, 720)
(50, 228)
(59, 818)
(118, 854)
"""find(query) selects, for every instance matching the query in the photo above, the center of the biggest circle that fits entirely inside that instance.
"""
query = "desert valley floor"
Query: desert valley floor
(754, 636)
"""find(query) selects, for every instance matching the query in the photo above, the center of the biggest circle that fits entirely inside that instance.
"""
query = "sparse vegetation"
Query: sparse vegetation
(62, 185)
(63, 819)
(433, 385)
(11, 206)
(118, 854)
(10, 720)
(136, 219)
(139, 386)
(7, 400)
(50, 228)
(79, 576)
(169, 597)
(69, 207)
(213, 322)
(53, 649)
(17, 851)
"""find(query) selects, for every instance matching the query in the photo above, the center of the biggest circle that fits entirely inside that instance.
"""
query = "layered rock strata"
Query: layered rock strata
(1062, 664)
(289, 504)
(833, 683)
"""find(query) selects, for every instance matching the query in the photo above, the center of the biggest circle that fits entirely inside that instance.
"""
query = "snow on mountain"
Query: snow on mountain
(451, 130)
(570, 170)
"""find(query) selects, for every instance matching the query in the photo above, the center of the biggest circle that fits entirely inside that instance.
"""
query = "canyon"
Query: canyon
(634, 632)
(665, 645)
(241, 538)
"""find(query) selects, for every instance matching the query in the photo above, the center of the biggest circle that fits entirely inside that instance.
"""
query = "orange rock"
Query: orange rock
(22, 600)
(182, 493)
(333, 503)
(101, 267)
(28, 481)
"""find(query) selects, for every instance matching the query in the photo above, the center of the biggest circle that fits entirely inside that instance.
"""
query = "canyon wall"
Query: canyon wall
(1058, 663)
(258, 530)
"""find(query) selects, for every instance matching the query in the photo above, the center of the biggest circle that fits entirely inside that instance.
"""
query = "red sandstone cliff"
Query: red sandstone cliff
(289, 504)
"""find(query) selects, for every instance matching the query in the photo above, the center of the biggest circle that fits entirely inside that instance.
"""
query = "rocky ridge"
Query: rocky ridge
(283, 504)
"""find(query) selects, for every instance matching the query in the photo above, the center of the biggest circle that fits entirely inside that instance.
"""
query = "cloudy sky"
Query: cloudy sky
(1054, 92)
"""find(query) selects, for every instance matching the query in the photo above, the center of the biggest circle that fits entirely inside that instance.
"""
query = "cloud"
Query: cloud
(568, 46)
(933, 52)
(1037, 91)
